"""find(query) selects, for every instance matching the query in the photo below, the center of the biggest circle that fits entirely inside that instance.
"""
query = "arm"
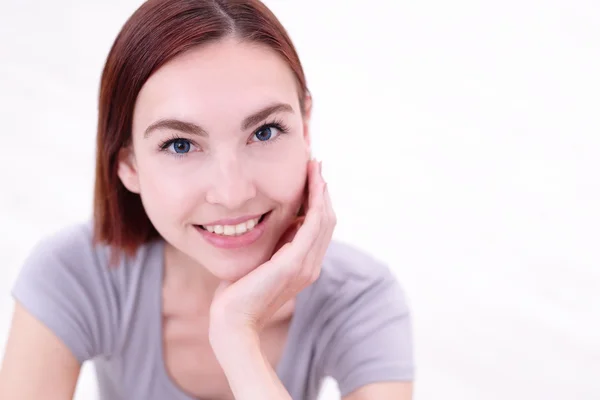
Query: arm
(36, 363)
(249, 374)
(383, 391)
(62, 317)
(368, 341)
(241, 309)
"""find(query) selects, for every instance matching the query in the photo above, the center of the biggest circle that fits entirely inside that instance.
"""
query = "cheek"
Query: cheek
(285, 183)
(165, 193)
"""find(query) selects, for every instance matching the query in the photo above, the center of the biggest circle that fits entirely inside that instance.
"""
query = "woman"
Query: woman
(208, 270)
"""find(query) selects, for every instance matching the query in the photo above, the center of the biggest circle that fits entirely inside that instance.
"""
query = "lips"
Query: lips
(227, 236)
(233, 229)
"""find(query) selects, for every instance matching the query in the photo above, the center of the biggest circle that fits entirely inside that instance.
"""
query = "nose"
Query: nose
(231, 184)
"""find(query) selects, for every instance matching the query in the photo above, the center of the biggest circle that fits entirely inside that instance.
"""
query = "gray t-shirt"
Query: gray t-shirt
(353, 324)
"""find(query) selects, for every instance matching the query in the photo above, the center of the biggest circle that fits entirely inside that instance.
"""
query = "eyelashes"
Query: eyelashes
(174, 139)
(180, 146)
(278, 124)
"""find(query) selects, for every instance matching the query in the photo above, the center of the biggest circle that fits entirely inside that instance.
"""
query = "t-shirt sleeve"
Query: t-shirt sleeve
(369, 333)
(61, 284)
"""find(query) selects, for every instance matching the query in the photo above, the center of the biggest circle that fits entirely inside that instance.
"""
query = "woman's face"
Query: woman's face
(218, 142)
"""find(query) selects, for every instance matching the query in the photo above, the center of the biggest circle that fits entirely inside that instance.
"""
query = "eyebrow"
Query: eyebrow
(258, 116)
(193, 129)
(176, 125)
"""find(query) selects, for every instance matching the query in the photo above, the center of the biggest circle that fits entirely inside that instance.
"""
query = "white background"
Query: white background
(461, 141)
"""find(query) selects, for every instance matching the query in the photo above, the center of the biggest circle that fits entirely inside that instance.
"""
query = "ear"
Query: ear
(306, 123)
(127, 170)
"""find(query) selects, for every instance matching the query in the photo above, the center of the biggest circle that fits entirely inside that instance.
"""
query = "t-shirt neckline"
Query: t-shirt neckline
(280, 369)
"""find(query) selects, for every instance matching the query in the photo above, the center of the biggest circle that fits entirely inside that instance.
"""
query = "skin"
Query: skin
(228, 173)
(242, 299)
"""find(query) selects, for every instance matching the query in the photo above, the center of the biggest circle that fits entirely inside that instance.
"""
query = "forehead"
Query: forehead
(227, 78)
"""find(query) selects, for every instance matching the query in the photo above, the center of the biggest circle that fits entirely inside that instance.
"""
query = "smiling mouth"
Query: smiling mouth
(234, 230)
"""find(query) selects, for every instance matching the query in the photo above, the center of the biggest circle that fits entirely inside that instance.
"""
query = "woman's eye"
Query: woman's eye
(266, 133)
(180, 146)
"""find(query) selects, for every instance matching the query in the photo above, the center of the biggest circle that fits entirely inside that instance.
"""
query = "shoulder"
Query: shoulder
(62, 256)
(346, 261)
(349, 272)
(354, 287)
(67, 283)
(363, 320)
(72, 249)
(72, 243)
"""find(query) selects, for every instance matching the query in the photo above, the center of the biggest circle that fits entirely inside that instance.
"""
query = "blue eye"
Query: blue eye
(181, 146)
(269, 132)
(177, 146)
(264, 134)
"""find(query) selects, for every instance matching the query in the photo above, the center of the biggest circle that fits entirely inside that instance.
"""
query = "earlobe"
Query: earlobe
(127, 170)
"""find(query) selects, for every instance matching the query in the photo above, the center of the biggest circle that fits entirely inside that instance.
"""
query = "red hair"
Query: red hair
(157, 32)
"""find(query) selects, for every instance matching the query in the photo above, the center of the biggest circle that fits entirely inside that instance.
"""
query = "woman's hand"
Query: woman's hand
(241, 309)
(248, 303)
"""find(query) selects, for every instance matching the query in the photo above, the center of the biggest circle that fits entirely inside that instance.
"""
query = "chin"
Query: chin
(231, 258)
(234, 265)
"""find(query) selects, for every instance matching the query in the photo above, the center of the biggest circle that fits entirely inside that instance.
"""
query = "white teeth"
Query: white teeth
(240, 228)
(232, 230)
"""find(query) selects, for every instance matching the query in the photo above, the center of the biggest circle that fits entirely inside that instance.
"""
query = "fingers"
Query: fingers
(298, 262)
(301, 259)
(315, 183)
(313, 260)
(327, 227)
(308, 232)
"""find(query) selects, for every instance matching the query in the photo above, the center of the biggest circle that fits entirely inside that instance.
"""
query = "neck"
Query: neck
(184, 275)
(191, 287)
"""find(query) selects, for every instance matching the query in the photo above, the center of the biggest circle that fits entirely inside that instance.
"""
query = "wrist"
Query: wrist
(249, 374)
(232, 340)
